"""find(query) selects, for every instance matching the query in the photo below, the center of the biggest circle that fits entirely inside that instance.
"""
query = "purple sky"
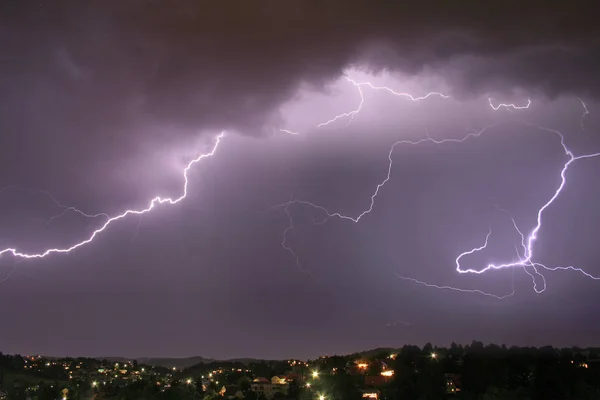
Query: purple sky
(104, 105)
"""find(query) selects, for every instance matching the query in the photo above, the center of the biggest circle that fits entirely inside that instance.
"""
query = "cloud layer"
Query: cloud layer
(102, 66)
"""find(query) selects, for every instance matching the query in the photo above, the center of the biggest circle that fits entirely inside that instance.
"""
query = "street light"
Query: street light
(433, 355)
(315, 374)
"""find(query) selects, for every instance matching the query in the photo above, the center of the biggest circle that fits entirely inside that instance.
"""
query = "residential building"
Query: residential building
(277, 384)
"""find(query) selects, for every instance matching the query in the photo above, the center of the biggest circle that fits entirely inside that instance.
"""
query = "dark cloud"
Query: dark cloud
(105, 65)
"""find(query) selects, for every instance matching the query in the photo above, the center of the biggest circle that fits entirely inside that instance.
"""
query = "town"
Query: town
(459, 372)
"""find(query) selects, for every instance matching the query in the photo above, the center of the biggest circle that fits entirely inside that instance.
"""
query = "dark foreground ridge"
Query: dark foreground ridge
(475, 371)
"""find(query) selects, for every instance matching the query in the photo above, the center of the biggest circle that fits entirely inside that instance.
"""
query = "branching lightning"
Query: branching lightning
(525, 256)
(524, 261)
(353, 113)
(155, 201)
(528, 242)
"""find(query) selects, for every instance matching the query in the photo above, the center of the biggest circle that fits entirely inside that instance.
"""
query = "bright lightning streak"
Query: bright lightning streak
(358, 85)
(527, 242)
(400, 94)
(155, 201)
(509, 106)
(350, 114)
(288, 131)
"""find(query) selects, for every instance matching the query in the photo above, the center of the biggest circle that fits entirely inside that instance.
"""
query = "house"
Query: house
(279, 380)
(293, 377)
(370, 394)
(277, 384)
(453, 384)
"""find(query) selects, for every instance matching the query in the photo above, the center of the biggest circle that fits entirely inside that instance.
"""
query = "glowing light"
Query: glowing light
(155, 201)
(387, 373)
(321, 397)
(315, 374)
(307, 384)
(433, 355)
(362, 365)
(94, 384)
(188, 381)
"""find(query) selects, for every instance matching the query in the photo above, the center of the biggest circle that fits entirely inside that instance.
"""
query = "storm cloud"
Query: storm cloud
(101, 66)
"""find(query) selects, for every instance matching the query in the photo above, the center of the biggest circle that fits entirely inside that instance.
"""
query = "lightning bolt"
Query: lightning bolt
(509, 106)
(357, 218)
(358, 85)
(527, 242)
(454, 289)
(284, 244)
(153, 202)
(585, 112)
(525, 261)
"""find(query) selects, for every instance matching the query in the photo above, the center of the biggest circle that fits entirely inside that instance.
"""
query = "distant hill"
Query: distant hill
(179, 363)
(187, 362)
(376, 352)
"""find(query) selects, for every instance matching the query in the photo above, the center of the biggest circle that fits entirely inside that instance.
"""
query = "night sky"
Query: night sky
(103, 104)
